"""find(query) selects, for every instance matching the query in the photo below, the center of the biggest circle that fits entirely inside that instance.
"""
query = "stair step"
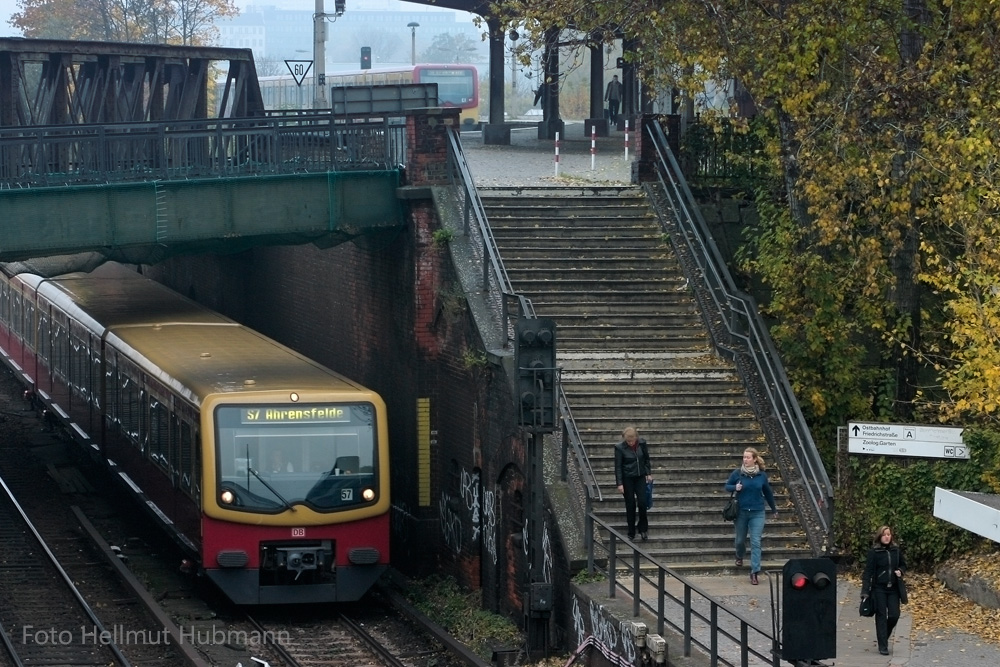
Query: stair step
(634, 349)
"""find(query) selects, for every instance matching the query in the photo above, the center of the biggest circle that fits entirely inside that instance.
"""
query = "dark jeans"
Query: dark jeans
(886, 613)
(634, 489)
(613, 110)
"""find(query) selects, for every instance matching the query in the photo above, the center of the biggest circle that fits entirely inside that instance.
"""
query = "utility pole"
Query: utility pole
(319, 56)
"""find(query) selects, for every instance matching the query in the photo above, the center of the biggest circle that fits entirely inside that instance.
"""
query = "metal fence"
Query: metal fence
(726, 637)
(57, 155)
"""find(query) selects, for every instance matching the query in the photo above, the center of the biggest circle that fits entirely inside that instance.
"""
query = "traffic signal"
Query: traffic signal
(809, 610)
(535, 359)
(366, 57)
(619, 62)
(340, 6)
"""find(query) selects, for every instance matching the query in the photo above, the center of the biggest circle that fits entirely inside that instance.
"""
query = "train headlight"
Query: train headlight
(228, 497)
(368, 494)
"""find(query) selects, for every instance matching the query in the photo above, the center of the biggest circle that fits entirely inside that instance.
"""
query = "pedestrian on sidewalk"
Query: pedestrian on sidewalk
(883, 579)
(632, 472)
(613, 96)
(753, 489)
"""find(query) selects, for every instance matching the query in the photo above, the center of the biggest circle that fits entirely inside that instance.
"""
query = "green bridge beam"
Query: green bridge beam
(147, 222)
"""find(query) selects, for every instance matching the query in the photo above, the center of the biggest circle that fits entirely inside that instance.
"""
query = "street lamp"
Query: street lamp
(413, 25)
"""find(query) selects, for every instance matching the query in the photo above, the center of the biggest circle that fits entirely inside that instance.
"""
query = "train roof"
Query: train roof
(191, 348)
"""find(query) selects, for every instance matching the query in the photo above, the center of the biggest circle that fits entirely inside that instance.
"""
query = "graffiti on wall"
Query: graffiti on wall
(451, 523)
(482, 515)
(491, 518)
(614, 639)
(469, 488)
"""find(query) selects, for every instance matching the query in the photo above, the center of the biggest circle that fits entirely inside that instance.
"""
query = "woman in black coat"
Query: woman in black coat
(883, 579)
(632, 471)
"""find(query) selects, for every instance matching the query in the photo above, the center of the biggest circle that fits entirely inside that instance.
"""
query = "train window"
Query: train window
(78, 359)
(159, 433)
(59, 336)
(26, 323)
(44, 341)
(5, 290)
(186, 456)
(278, 455)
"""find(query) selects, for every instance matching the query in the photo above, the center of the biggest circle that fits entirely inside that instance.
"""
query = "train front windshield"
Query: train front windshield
(270, 457)
(456, 87)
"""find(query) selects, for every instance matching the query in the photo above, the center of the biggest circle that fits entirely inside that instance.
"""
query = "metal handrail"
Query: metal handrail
(741, 318)
(499, 293)
(57, 155)
(700, 619)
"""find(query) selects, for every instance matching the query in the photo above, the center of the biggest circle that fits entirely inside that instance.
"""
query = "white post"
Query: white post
(593, 146)
(557, 154)
(626, 140)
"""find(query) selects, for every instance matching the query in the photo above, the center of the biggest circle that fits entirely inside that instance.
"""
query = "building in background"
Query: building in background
(284, 31)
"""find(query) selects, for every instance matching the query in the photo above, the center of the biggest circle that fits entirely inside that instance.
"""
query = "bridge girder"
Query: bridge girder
(56, 82)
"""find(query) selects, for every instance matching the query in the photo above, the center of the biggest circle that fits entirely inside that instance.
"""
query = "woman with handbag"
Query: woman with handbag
(883, 581)
(753, 489)
(632, 473)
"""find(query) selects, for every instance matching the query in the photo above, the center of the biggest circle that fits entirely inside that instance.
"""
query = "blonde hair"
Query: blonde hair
(630, 430)
(757, 458)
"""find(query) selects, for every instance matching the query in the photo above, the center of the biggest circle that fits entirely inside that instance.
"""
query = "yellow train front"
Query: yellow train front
(269, 468)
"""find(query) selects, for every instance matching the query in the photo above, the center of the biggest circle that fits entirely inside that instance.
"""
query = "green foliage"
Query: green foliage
(474, 359)
(442, 236)
(584, 577)
(459, 612)
(900, 493)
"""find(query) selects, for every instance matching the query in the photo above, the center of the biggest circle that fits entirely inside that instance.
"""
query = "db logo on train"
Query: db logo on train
(298, 532)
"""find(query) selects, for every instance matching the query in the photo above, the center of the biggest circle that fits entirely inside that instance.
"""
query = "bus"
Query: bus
(458, 86)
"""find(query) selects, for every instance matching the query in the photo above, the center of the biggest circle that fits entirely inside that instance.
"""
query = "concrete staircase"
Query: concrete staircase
(634, 351)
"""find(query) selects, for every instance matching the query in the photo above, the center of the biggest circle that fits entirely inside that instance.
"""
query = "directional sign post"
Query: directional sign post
(940, 442)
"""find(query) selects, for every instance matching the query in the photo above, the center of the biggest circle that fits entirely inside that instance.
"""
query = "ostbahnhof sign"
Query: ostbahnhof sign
(943, 442)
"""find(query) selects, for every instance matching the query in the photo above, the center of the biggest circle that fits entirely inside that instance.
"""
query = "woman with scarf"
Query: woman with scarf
(753, 489)
(883, 578)
(632, 471)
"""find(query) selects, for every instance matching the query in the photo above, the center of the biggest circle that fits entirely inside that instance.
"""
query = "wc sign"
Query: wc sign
(940, 442)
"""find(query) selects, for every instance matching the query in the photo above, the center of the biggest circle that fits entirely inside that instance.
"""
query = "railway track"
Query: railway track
(377, 634)
(45, 618)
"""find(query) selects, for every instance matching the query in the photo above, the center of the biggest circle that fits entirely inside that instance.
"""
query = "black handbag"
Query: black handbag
(732, 508)
(867, 607)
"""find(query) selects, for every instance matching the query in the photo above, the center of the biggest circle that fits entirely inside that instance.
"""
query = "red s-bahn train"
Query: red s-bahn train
(271, 470)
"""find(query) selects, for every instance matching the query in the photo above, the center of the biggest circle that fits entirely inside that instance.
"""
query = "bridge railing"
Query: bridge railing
(509, 305)
(57, 155)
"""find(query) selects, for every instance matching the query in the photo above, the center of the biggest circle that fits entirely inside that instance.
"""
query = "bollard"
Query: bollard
(626, 140)
(593, 146)
(557, 154)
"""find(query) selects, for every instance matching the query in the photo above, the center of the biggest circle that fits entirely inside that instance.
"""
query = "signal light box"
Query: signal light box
(808, 610)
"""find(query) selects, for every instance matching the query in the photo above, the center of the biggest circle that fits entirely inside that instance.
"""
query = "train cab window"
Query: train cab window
(273, 457)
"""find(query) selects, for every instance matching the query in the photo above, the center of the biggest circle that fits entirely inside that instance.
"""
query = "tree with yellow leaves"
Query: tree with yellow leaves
(878, 235)
(145, 21)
